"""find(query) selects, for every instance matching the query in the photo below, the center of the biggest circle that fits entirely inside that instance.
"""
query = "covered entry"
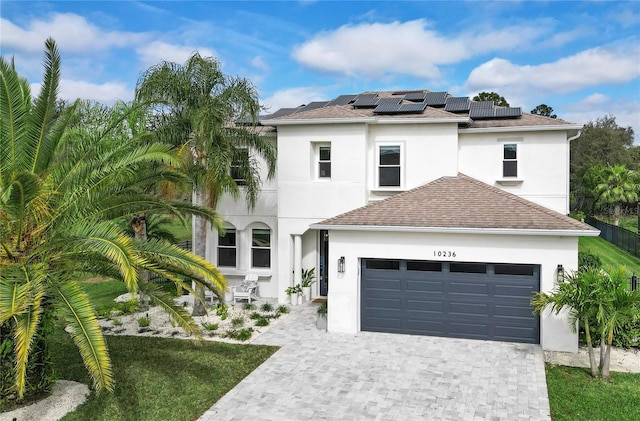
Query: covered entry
(488, 301)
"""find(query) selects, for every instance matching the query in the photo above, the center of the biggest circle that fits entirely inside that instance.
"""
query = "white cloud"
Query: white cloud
(293, 97)
(596, 66)
(597, 105)
(159, 51)
(73, 33)
(412, 48)
(260, 64)
(105, 93)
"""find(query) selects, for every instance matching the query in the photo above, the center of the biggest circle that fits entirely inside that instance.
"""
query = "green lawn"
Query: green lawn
(610, 255)
(181, 232)
(156, 378)
(575, 395)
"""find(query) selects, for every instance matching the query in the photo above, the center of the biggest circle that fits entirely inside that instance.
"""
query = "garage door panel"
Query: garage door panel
(464, 304)
(424, 286)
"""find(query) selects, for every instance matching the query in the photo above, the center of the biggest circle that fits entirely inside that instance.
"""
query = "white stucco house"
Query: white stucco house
(423, 213)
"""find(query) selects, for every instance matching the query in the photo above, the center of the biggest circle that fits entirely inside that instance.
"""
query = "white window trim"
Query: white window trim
(236, 247)
(316, 158)
(376, 170)
(270, 248)
(511, 181)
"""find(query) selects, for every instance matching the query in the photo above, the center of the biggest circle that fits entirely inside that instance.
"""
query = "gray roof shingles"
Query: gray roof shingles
(457, 202)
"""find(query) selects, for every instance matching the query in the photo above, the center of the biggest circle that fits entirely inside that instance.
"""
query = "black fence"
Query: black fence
(625, 239)
(157, 279)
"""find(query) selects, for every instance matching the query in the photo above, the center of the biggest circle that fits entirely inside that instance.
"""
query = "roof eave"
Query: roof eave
(456, 230)
(555, 127)
(369, 120)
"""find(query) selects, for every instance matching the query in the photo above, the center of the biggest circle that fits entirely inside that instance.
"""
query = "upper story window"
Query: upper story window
(389, 168)
(261, 248)
(324, 161)
(241, 155)
(227, 248)
(510, 160)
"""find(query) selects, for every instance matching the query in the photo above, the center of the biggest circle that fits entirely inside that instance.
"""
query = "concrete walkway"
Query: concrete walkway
(377, 376)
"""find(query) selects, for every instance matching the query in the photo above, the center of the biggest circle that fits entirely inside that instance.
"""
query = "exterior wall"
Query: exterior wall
(542, 164)
(546, 251)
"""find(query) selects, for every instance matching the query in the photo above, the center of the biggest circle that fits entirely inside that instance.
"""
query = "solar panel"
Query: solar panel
(436, 99)
(412, 108)
(457, 104)
(415, 96)
(366, 100)
(482, 109)
(388, 105)
(313, 105)
(508, 112)
(342, 100)
(281, 112)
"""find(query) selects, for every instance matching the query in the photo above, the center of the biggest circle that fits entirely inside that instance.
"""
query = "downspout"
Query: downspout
(569, 168)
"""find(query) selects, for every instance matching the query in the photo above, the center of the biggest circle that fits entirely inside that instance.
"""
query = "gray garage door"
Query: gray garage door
(463, 300)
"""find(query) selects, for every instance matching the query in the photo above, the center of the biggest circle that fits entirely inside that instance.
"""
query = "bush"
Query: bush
(588, 259)
(210, 326)
(282, 309)
(266, 307)
(248, 306)
(144, 321)
(243, 334)
(262, 321)
(117, 322)
(255, 315)
(237, 322)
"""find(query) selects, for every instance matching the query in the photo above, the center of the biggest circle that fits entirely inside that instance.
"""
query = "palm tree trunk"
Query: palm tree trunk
(199, 248)
(139, 225)
(607, 356)
(592, 354)
(603, 344)
(616, 214)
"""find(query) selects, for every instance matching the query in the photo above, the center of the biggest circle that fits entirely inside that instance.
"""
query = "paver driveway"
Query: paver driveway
(378, 376)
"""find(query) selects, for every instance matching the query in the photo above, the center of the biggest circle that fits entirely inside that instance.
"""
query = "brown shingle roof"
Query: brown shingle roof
(457, 202)
(525, 120)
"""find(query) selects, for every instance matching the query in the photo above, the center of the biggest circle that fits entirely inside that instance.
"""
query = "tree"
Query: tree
(497, 99)
(579, 294)
(544, 110)
(619, 185)
(602, 142)
(198, 109)
(63, 188)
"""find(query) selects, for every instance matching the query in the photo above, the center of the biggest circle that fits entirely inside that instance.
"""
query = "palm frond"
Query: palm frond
(82, 324)
(177, 313)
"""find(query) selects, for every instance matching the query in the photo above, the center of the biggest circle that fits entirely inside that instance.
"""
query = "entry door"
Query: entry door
(324, 262)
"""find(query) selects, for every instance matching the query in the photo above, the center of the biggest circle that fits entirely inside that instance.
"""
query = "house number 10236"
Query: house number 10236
(444, 253)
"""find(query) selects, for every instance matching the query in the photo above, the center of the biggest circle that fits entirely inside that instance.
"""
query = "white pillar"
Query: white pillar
(297, 259)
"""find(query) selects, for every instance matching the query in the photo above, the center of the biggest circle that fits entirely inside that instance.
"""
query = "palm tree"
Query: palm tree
(212, 117)
(579, 293)
(620, 186)
(63, 189)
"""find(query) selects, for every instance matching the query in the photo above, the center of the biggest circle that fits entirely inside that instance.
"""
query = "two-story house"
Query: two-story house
(423, 213)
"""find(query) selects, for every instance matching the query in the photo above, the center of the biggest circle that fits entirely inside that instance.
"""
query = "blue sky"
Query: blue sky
(581, 58)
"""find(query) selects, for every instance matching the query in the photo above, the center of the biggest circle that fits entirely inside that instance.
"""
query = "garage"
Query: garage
(489, 301)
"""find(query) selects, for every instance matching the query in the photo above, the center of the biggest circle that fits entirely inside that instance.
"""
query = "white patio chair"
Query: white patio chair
(247, 290)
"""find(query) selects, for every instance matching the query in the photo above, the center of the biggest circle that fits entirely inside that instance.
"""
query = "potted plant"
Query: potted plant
(321, 321)
(308, 278)
(293, 293)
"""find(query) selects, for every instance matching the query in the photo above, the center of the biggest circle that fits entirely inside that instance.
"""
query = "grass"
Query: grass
(610, 255)
(159, 378)
(181, 232)
(628, 222)
(575, 395)
(103, 293)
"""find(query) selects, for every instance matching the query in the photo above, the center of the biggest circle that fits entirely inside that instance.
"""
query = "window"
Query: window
(383, 264)
(240, 155)
(261, 248)
(510, 160)
(324, 162)
(389, 166)
(227, 248)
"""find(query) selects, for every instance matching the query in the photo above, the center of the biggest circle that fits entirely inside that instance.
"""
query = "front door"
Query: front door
(324, 262)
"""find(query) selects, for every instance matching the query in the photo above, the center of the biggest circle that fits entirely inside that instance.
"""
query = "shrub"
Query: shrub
(117, 322)
(243, 334)
(266, 307)
(210, 326)
(144, 321)
(262, 321)
(248, 306)
(282, 309)
(588, 259)
(237, 322)
(255, 315)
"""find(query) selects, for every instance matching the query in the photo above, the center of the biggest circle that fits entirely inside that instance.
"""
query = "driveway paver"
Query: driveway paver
(318, 375)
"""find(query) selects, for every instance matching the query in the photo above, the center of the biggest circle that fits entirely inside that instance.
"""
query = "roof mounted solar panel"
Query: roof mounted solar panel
(281, 112)
(388, 105)
(482, 109)
(457, 104)
(436, 99)
(412, 108)
(342, 100)
(313, 105)
(415, 96)
(508, 112)
(366, 101)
